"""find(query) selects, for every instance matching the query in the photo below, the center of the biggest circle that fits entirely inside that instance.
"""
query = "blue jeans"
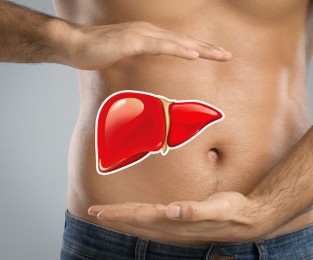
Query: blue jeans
(83, 240)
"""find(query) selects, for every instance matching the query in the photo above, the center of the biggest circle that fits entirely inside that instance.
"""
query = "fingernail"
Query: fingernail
(173, 211)
(193, 52)
(225, 53)
(91, 212)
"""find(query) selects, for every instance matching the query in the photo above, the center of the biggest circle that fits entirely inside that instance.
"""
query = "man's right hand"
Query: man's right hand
(43, 38)
(98, 47)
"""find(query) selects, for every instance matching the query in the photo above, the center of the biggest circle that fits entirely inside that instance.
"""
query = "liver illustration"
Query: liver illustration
(131, 125)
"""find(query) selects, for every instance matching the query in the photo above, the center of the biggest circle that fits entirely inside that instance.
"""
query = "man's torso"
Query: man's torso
(262, 92)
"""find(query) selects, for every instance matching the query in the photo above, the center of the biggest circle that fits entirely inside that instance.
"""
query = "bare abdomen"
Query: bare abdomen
(265, 114)
(231, 155)
(234, 154)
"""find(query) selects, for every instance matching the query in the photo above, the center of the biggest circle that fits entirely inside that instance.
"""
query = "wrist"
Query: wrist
(263, 215)
(62, 40)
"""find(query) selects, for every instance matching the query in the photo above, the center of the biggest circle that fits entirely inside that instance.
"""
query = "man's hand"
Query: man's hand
(284, 193)
(27, 36)
(97, 47)
(224, 216)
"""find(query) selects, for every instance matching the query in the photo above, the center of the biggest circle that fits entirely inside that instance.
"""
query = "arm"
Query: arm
(287, 190)
(28, 36)
(285, 193)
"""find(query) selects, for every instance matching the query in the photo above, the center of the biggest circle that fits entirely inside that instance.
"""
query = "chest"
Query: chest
(183, 10)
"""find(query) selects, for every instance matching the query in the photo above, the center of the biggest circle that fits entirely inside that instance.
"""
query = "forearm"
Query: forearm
(287, 190)
(28, 36)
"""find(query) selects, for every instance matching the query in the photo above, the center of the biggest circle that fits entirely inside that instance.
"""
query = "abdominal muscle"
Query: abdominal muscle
(263, 96)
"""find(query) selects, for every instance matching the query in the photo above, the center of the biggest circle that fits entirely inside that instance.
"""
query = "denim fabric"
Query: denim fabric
(83, 240)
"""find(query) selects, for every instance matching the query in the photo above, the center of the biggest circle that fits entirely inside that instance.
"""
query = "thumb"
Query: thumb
(220, 206)
(187, 211)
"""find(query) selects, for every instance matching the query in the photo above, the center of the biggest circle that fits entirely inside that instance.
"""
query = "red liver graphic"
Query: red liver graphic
(131, 125)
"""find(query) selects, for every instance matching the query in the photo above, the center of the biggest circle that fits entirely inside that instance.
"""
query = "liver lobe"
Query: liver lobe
(131, 125)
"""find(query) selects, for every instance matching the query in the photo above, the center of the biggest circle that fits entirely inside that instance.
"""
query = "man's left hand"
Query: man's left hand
(224, 216)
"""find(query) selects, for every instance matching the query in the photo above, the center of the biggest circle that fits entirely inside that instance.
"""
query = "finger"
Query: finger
(155, 46)
(134, 216)
(219, 207)
(94, 210)
(206, 50)
(212, 53)
(148, 29)
(199, 211)
(136, 204)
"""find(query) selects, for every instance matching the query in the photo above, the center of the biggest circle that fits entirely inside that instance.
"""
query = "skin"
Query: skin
(252, 167)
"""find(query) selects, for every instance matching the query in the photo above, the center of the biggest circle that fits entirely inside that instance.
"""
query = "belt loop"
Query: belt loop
(207, 252)
(261, 249)
(140, 250)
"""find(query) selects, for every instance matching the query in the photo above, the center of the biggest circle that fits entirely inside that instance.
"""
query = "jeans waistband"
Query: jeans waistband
(296, 244)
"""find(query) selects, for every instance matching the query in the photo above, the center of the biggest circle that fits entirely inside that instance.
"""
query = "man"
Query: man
(246, 179)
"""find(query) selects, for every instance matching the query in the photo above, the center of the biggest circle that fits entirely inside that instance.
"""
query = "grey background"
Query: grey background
(38, 109)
